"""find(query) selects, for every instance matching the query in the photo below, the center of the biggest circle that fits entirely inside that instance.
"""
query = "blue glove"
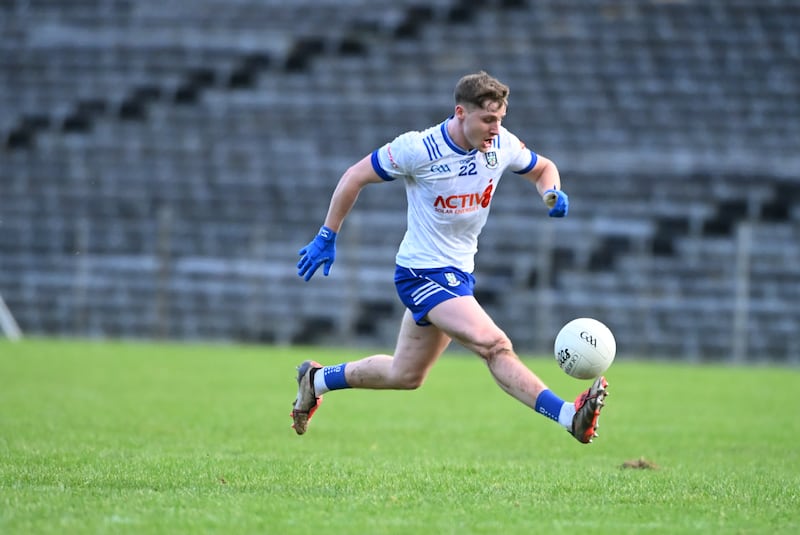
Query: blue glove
(321, 250)
(557, 201)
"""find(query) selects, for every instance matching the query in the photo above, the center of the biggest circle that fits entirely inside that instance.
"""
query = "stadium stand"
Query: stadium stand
(150, 185)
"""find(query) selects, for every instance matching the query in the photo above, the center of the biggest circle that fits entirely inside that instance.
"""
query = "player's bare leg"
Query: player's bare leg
(416, 351)
(466, 322)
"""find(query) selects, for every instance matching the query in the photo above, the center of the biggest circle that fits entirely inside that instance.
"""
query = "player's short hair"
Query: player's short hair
(477, 88)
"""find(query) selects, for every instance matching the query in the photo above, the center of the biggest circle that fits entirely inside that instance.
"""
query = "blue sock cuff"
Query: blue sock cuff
(334, 377)
(549, 404)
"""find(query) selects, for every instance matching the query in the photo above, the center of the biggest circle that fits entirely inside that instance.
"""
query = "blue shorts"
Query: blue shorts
(422, 289)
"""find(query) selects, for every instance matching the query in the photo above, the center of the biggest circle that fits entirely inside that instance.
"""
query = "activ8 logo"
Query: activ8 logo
(461, 203)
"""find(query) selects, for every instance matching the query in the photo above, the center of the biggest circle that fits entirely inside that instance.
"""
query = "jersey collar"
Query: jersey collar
(450, 143)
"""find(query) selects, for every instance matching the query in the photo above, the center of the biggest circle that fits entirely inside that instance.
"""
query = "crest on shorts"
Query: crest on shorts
(491, 159)
(451, 279)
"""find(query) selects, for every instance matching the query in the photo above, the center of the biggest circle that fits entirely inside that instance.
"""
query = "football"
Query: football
(585, 348)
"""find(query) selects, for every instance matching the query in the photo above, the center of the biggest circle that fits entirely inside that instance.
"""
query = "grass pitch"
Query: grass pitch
(153, 438)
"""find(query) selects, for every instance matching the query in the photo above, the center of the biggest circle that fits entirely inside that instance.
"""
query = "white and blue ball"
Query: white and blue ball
(585, 348)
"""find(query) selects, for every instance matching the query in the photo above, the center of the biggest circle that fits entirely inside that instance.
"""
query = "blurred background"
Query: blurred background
(162, 162)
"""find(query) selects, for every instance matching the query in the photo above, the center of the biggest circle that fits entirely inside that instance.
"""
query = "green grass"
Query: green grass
(147, 438)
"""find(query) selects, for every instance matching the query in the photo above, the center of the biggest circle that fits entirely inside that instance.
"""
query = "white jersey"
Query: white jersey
(449, 192)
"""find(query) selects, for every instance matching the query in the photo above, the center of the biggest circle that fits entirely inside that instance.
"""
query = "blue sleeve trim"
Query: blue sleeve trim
(376, 165)
(534, 159)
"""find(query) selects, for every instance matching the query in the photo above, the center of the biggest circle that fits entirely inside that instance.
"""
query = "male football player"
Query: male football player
(451, 172)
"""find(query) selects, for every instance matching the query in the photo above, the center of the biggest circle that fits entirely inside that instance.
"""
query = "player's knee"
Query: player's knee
(409, 380)
(496, 346)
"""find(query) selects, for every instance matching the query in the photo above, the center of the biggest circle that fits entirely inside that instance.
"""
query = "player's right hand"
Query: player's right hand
(321, 251)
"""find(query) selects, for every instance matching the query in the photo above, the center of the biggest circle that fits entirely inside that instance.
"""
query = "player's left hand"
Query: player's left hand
(557, 201)
(321, 251)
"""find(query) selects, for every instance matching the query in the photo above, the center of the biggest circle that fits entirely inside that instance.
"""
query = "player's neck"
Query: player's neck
(457, 134)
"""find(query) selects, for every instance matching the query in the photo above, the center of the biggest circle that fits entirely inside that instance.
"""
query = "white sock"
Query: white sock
(319, 383)
(566, 414)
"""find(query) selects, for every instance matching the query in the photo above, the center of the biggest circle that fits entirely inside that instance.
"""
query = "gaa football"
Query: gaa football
(585, 348)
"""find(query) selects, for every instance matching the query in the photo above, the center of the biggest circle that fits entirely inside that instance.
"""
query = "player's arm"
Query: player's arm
(546, 178)
(346, 193)
(544, 175)
(321, 251)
